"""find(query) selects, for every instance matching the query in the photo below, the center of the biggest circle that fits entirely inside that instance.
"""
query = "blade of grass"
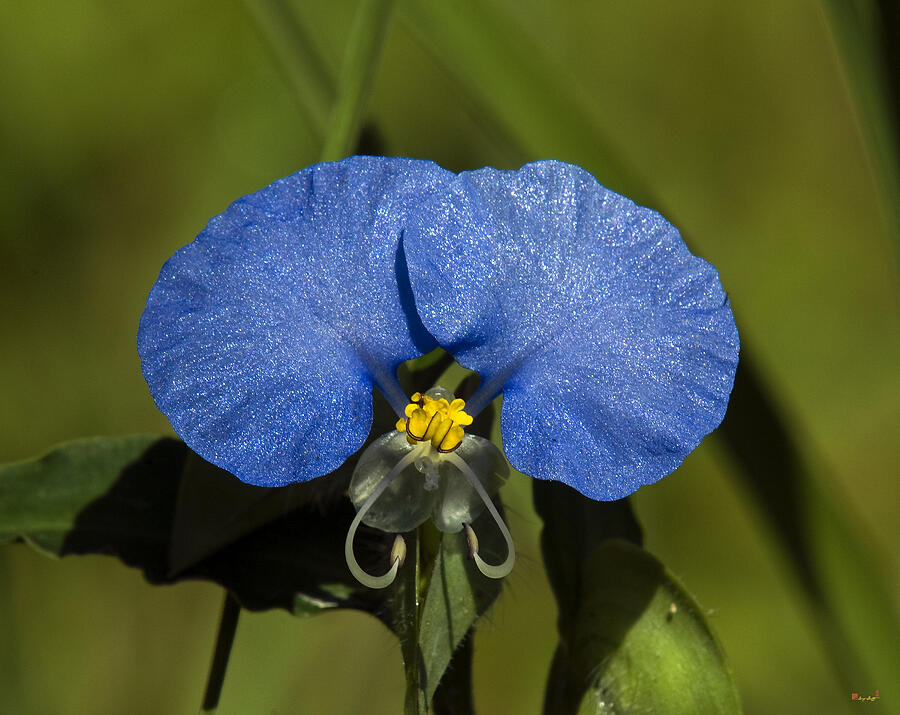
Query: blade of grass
(532, 101)
(364, 47)
(838, 573)
(865, 36)
(304, 69)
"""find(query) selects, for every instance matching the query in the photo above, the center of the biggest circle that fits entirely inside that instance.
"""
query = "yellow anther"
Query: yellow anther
(455, 412)
(452, 439)
(436, 421)
(440, 432)
(417, 424)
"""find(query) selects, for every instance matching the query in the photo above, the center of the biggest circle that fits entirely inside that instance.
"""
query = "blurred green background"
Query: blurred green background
(125, 126)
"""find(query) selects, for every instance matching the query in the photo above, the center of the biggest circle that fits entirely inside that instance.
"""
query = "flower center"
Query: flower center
(434, 420)
(429, 467)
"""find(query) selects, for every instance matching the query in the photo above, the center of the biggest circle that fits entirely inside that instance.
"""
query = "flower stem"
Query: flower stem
(231, 610)
(407, 625)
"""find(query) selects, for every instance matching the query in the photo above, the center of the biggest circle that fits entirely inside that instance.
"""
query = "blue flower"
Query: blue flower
(613, 346)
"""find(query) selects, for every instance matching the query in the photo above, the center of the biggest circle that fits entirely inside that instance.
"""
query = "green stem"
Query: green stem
(231, 610)
(407, 614)
(373, 18)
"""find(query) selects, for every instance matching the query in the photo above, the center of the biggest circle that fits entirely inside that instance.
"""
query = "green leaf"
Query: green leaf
(439, 598)
(45, 500)
(631, 638)
(117, 496)
(641, 643)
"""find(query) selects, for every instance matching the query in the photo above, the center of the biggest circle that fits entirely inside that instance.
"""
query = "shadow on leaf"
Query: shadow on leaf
(296, 562)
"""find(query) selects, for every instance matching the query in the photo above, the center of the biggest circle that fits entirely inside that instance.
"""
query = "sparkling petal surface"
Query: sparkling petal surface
(261, 340)
(614, 347)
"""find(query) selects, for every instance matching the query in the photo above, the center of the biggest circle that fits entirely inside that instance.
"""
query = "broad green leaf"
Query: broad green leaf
(118, 496)
(47, 500)
(640, 642)
(631, 638)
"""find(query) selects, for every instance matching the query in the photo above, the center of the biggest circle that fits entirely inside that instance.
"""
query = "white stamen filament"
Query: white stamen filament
(397, 553)
(487, 569)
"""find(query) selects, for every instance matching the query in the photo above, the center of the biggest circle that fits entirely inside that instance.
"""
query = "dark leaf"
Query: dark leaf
(42, 500)
(117, 496)
(573, 527)
(854, 613)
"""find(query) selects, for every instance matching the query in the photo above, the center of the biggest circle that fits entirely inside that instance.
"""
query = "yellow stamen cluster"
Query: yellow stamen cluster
(436, 421)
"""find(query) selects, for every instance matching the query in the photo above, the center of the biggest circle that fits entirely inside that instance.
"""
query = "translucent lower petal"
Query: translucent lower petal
(459, 503)
(405, 503)
(409, 500)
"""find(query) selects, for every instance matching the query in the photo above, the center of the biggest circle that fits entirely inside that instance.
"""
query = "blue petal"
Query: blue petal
(614, 347)
(261, 340)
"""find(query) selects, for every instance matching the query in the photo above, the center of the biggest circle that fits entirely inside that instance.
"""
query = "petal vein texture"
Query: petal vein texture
(262, 339)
